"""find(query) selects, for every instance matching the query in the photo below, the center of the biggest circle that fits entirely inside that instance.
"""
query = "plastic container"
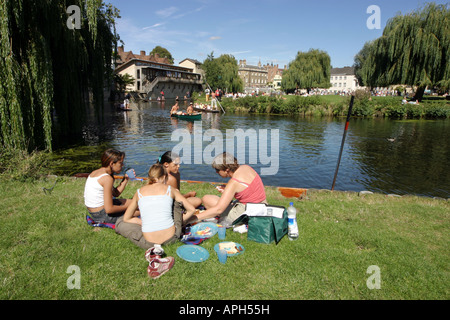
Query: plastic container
(131, 175)
(292, 226)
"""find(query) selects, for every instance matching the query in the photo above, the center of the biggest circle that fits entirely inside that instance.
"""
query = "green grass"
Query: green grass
(341, 235)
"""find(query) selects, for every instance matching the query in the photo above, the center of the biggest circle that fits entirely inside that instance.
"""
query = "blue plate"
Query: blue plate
(193, 253)
(203, 226)
(216, 248)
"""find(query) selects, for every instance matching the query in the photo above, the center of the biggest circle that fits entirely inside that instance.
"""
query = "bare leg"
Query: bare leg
(195, 201)
(210, 201)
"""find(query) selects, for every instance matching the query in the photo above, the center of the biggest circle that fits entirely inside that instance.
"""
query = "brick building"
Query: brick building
(252, 76)
(125, 56)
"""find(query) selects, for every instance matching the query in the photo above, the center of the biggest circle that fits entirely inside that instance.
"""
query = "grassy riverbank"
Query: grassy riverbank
(335, 105)
(341, 236)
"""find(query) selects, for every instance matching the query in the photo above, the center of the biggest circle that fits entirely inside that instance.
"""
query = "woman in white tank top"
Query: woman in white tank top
(99, 189)
(155, 202)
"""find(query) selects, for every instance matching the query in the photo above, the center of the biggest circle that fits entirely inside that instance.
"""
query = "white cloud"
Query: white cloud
(240, 52)
(165, 13)
(153, 26)
(138, 38)
(215, 38)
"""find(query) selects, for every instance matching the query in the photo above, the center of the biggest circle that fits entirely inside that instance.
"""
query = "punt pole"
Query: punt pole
(343, 140)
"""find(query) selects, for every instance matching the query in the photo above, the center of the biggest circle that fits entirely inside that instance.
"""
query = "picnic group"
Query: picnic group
(159, 213)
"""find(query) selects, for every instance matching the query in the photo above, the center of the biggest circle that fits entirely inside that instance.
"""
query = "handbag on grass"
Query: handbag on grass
(266, 223)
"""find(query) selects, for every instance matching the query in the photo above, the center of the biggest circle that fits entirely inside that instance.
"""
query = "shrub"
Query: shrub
(436, 110)
(363, 108)
(19, 165)
(414, 111)
(395, 112)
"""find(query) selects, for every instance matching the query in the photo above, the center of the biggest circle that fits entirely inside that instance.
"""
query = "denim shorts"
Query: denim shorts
(102, 217)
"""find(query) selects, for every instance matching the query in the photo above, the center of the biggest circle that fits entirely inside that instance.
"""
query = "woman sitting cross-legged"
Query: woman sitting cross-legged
(245, 185)
(99, 190)
(155, 202)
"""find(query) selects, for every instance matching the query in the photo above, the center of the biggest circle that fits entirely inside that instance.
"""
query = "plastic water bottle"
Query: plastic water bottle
(292, 227)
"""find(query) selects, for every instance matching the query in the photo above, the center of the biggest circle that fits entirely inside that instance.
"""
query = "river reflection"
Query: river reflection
(380, 155)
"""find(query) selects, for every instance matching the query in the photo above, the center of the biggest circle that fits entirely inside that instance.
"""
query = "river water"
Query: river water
(379, 155)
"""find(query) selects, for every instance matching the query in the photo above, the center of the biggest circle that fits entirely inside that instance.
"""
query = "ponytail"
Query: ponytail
(155, 172)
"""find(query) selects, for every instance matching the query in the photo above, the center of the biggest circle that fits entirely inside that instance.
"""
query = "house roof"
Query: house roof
(159, 66)
(125, 56)
(191, 60)
(342, 71)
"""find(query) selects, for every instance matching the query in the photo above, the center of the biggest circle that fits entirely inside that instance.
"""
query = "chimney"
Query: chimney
(142, 52)
(245, 62)
(121, 49)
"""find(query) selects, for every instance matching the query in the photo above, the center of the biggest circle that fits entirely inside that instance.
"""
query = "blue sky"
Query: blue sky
(255, 30)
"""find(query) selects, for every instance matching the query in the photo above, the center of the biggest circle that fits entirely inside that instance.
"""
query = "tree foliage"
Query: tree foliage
(122, 81)
(309, 70)
(413, 50)
(223, 72)
(163, 53)
(48, 70)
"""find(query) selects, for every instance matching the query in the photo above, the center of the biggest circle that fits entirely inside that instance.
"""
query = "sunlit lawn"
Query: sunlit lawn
(341, 236)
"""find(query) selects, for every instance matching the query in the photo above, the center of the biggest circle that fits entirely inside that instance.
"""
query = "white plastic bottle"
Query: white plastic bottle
(292, 227)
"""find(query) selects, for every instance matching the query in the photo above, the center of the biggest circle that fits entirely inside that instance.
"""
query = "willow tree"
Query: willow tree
(48, 69)
(413, 50)
(223, 72)
(309, 70)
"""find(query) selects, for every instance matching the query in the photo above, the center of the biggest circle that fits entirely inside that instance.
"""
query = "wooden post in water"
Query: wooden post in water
(343, 140)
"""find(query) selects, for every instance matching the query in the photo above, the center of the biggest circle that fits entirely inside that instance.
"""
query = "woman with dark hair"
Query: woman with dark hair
(171, 162)
(99, 189)
(245, 185)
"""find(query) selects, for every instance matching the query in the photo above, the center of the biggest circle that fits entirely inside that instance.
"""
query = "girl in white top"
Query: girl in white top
(155, 202)
(99, 190)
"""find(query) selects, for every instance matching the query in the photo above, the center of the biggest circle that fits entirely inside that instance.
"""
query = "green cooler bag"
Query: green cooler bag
(264, 228)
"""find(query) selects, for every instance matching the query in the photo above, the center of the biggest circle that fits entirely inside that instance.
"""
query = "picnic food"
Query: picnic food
(229, 247)
(204, 232)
